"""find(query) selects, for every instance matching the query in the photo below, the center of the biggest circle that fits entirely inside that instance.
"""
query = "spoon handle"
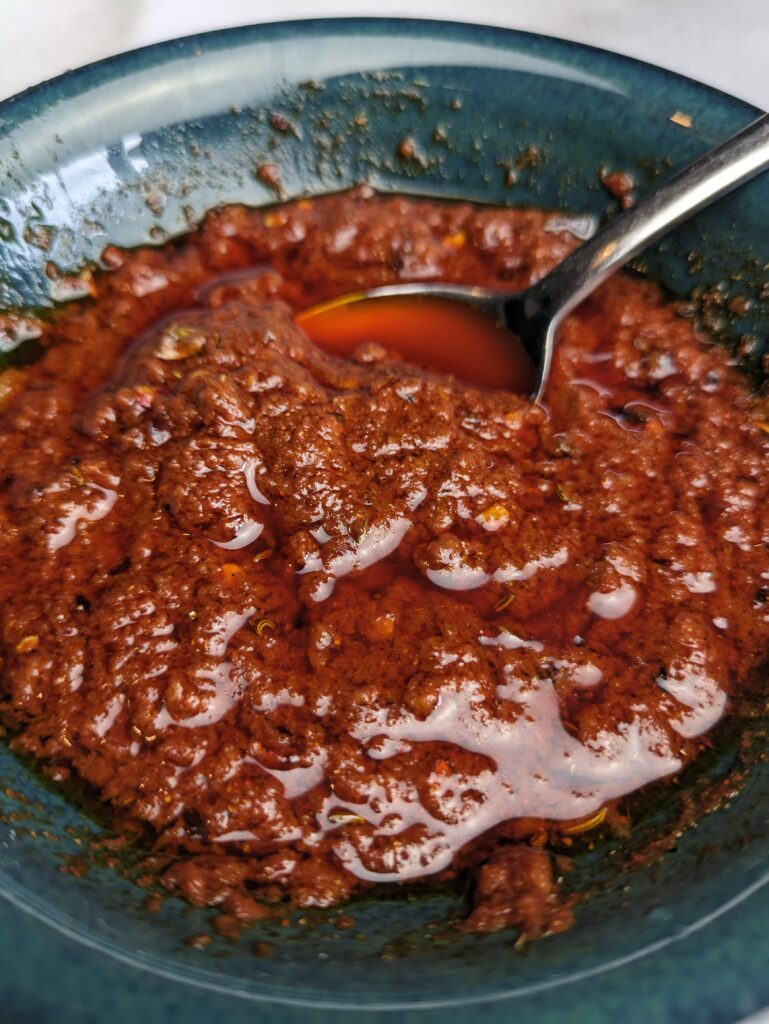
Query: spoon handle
(711, 175)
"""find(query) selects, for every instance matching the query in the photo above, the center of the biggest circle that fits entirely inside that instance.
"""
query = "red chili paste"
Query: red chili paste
(321, 623)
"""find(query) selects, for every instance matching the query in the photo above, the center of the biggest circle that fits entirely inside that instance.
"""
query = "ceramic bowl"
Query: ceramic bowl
(136, 149)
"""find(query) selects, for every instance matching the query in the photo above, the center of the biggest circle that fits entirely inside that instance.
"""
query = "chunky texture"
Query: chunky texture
(319, 623)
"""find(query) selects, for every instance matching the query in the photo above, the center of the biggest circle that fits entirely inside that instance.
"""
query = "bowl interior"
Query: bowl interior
(137, 149)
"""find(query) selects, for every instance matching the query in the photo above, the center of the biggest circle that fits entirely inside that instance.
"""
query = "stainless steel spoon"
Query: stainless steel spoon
(534, 315)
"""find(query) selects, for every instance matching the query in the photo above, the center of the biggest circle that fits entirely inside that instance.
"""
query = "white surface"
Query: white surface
(722, 42)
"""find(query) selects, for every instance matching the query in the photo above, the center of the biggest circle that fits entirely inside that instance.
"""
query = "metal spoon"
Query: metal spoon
(534, 315)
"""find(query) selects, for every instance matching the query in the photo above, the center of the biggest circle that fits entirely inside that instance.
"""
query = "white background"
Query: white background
(722, 42)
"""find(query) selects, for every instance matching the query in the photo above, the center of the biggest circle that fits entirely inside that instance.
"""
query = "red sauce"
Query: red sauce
(317, 623)
(437, 334)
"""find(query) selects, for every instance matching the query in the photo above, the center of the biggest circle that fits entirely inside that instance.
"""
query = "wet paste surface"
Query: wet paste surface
(319, 623)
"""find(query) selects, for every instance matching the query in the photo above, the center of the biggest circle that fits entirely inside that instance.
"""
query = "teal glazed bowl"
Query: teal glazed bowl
(136, 149)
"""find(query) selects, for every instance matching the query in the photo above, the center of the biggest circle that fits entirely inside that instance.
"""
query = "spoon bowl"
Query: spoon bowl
(447, 328)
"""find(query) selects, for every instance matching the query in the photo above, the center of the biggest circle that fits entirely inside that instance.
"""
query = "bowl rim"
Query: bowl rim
(223, 35)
